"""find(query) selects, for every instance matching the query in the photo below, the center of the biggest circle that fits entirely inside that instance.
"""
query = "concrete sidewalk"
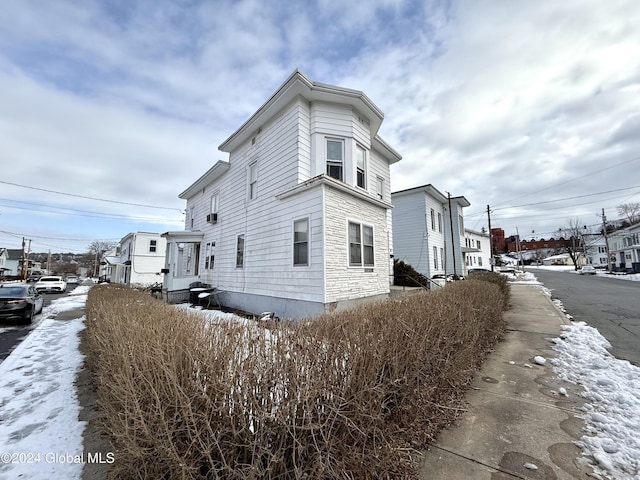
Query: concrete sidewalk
(517, 425)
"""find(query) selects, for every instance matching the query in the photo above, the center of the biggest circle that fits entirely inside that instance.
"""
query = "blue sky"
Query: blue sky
(510, 104)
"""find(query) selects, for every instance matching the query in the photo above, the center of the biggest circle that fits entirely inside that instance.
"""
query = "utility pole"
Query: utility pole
(491, 261)
(606, 239)
(453, 246)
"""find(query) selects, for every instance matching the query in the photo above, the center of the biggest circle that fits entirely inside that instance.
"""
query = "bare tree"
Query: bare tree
(99, 246)
(631, 211)
(572, 236)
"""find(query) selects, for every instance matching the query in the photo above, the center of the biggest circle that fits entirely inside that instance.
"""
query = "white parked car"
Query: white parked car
(587, 270)
(72, 279)
(51, 283)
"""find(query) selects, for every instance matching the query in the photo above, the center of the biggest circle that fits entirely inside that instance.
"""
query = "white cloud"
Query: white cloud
(493, 100)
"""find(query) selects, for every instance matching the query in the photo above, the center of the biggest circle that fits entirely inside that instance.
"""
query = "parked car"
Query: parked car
(33, 278)
(19, 300)
(72, 280)
(587, 270)
(51, 283)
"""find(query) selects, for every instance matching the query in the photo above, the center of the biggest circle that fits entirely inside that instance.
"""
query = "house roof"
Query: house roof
(215, 172)
(433, 192)
(298, 84)
(14, 253)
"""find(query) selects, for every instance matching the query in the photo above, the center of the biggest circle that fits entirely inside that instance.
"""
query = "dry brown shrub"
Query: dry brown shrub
(351, 394)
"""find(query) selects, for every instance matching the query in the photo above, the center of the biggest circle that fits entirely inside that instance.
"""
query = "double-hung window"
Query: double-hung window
(361, 248)
(439, 222)
(253, 180)
(301, 242)
(361, 172)
(240, 252)
(153, 246)
(435, 258)
(433, 219)
(380, 187)
(335, 158)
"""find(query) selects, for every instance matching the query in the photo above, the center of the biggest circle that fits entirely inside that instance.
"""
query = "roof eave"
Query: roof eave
(298, 84)
(215, 172)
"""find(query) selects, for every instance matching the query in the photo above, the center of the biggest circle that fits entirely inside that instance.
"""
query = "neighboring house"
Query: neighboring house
(110, 265)
(595, 248)
(624, 249)
(563, 259)
(476, 250)
(298, 221)
(138, 260)
(4, 270)
(13, 262)
(428, 230)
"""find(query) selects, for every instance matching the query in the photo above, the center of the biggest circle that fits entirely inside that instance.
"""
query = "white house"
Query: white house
(476, 250)
(428, 230)
(624, 249)
(138, 260)
(298, 220)
(4, 270)
(595, 248)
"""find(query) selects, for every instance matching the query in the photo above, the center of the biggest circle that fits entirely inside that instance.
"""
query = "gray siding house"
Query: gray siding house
(298, 220)
(428, 230)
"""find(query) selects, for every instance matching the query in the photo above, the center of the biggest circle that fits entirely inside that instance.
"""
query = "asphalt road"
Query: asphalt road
(611, 305)
(12, 333)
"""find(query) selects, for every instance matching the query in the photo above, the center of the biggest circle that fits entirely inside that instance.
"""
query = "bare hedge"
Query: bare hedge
(351, 394)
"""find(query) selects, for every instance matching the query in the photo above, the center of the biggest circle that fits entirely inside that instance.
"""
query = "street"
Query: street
(12, 333)
(609, 304)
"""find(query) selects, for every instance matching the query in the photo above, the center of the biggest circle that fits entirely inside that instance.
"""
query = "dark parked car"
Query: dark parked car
(19, 300)
(33, 278)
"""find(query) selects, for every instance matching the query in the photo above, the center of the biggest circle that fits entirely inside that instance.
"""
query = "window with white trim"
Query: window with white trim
(301, 242)
(439, 222)
(253, 180)
(435, 258)
(214, 202)
(335, 158)
(153, 246)
(361, 248)
(380, 187)
(240, 252)
(209, 258)
(361, 172)
(193, 214)
(433, 219)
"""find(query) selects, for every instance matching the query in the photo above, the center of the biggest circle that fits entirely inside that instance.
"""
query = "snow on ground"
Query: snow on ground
(612, 389)
(40, 434)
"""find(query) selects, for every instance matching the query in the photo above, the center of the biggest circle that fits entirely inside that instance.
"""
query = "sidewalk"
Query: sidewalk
(517, 425)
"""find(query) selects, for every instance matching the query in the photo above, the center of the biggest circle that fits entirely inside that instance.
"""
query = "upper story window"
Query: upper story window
(361, 172)
(439, 222)
(253, 180)
(335, 158)
(153, 246)
(433, 219)
(192, 213)
(301, 242)
(214, 202)
(380, 187)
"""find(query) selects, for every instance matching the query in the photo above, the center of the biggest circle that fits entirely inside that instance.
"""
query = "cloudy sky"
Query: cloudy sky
(110, 109)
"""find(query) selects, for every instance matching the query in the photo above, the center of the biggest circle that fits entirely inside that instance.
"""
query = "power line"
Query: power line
(573, 180)
(89, 198)
(568, 198)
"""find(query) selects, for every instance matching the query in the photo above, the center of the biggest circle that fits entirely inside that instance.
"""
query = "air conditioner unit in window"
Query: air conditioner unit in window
(212, 218)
